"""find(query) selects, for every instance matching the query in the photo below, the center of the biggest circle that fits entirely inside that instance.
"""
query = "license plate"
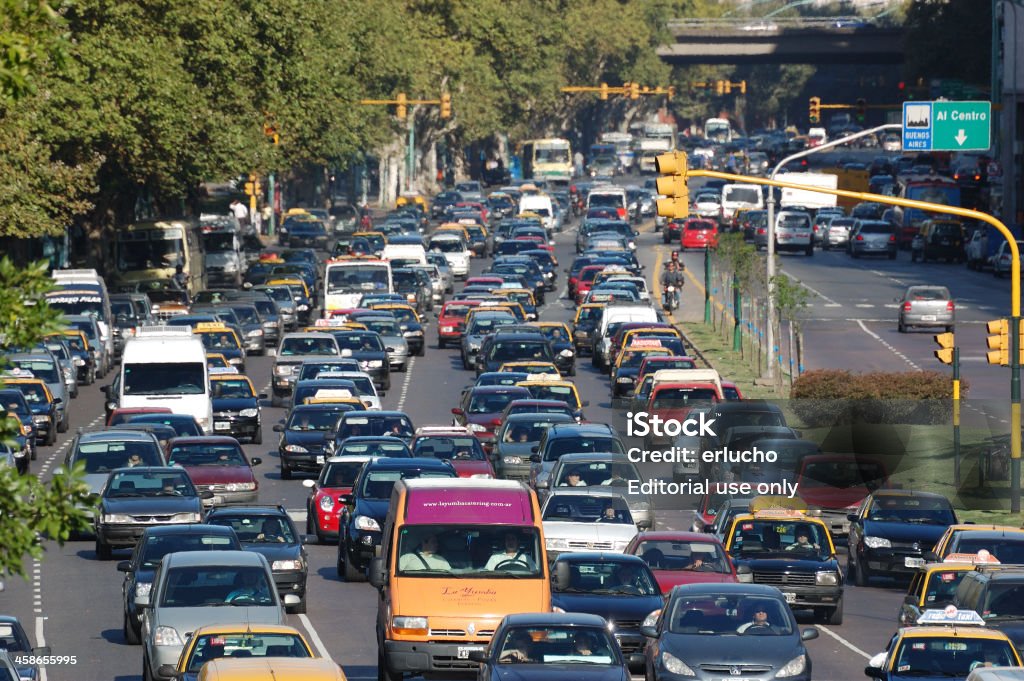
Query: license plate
(463, 651)
(913, 562)
(790, 597)
(221, 425)
(319, 459)
(736, 678)
(928, 318)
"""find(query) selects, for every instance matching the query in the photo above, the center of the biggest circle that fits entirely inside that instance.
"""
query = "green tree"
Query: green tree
(31, 36)
(29, 508)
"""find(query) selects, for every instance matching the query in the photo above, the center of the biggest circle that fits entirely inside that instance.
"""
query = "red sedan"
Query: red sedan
(698, 234)
(324, 505)
(456, 445)
(683, 558)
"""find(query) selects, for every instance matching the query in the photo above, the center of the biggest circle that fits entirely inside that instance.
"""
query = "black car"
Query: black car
(556, 645)
(368, 348)
(14, 640)
(236, 408)
(268, 530)
(620, 588)
(184, 424)
(304, 437)
(155, 543)
(363, 511)
(718, 631)
(892, 526)
(310, 388)
(995, 591)
(374, 423)
(14, 402)
(134, 499)
(307, 233)
(371, 445)
(442, 202)
(513, 347)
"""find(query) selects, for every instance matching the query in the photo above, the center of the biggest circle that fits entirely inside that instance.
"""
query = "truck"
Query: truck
(655, 138)
(810, 200)
(850, 180)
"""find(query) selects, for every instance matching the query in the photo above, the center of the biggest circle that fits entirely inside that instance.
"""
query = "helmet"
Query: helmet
(675, 256)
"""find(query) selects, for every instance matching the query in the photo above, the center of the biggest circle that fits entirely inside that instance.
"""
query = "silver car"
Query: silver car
(43, 365)
(188, 592)
(926, 306)
(872, 237)
(391, 335)
(603, 470)
(441, 262)
(837, 233)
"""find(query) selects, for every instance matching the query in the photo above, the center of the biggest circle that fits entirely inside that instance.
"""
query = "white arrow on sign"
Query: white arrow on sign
(960, 137)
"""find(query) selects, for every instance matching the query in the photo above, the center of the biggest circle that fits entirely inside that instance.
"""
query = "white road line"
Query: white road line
(833, 305)
(315, 636)
(864, 305)
(887, 345)
(821, 295)
(885, 275)
(406, 382)
(40, 642)
(844, 642)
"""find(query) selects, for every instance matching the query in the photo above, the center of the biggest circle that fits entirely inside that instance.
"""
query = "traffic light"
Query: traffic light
(727, 86)
(270, 131)
(671, 92)
(673, 167)
(604, 91)
(719, 87)
(945, 352)
(446, 105)
(743, 87)
(634, 90)
(998, 342)
(814, 111)
(862, 110)
(401, 109)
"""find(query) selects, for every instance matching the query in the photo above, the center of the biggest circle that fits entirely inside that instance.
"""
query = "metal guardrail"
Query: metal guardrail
(773, 23)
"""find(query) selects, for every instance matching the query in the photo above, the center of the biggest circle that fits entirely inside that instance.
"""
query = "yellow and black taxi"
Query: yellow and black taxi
(780, 544)
(945, 644)
(588, 316)
(236, 407)
(627, 365)
(409, 322)
(545, 387)
(562, 345)
(219, 338)
(1004, 541)
(254, 641)
(935, 584)
(217, 360)
(530, 367)
(45, 416)
(891, 530)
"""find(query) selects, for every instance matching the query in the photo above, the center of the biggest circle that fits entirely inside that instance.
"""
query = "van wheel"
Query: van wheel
(383, 673)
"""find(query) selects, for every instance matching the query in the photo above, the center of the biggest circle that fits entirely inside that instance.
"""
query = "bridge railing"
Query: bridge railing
(772, 24)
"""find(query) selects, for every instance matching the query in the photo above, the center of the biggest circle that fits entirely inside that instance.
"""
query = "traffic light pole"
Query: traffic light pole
(270, 199)
(1015, 389)
(770, 264)
(956, 416)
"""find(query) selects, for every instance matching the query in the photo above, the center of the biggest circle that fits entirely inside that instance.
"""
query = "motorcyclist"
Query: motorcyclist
(672, 277)
(180, 278)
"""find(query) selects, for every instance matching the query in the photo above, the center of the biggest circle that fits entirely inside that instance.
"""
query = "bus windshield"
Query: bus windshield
(551, 154)
(357, 278)
(150, 249)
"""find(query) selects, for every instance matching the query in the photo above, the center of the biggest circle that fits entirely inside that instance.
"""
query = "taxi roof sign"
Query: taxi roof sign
(18, 372)
(217, 371)
(332, 393)
(982, 556)
(644, 343)
(210, 326)
(790, 508)
(950, 616)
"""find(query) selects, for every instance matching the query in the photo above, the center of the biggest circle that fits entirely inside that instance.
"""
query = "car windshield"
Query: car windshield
(941, 587)
(361, 342)
(875, 228)
(377, 484)
(907, 509)
(247, 315)
(35, 393)
(588, 509)
(610, 578)
(491, 402)
(842, 474)
(159, 378)
(950, 656)
(13, 641)
(1009, 551)
(45, 369)
(211, 586)
(341, 474)
(524, 432)
(356, 279)
(149, 484)
(314, 419)
(183, 425)
(674, 398)
(558, 645)
(103, 457)
(692, 556)
(375, 425)
(305, 345)
(491, 551)
(396, 449)
(928, 293)
(385, 327)
(231, 388)
(729, 615)
(157, 546)
(759, 537)
(568, 445)
(245, 644)
(597, 473)
(256, 528)
(458, 448)
(196, 454)
(447, 246)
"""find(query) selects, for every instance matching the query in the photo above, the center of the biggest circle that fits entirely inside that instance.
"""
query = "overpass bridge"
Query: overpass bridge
(834, 40)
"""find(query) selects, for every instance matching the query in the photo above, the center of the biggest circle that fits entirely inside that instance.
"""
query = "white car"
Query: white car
(585, 518)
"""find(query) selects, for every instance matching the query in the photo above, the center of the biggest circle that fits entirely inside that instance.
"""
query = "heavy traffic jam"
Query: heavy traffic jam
(511, 464)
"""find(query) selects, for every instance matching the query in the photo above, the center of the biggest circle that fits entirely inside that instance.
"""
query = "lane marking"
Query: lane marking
(864, 305)
(887, 345)
(321, 648)
(406, 382)
(40, 642)
(829, 302)
(844, 642)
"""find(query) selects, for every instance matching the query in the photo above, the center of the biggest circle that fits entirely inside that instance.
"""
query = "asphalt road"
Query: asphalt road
(72, 602)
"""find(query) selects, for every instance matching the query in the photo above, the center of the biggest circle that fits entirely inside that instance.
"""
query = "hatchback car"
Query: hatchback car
(926, 306)
(323, 506)
(872, 237)
(219, 465)
(939, 240)
(683, 558)
(699, 234)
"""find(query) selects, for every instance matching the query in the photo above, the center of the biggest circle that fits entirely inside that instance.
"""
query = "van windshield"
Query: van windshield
(742, 195)
(469, 551)
(165, 378)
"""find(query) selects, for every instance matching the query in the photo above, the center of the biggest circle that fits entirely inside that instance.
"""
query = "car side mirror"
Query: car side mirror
(206, 494)
(262, 396)
(744, 574)
(852, 517)
(168, 671)
(278, 428)
(543, 484)
(931, 557)
(910, 599)
(292, 599)
(345, 499)
(535, 458)
(636, 660)
(478, 656)
(255, 461)
(585, 403)
(58, 400)
(562, 578)
(377, 577)
(874, 672)
(648, 631)
(124, 566)
(809, 634)
(308, 539)
(457, 411)
(534, 449)
(309, 482)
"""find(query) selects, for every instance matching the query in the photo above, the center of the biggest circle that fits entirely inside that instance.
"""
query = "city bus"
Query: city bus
(930, 188)
(347, 280)
(718, 130)
(548, 159)
(148, 251)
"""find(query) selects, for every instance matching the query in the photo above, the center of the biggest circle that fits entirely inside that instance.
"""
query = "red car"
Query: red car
(457, 446)
(698, 234)
(683, 558)
(451, 321)
(123, 414)
(218, 464)
(323, 507)
(585, 281)
(730, 391)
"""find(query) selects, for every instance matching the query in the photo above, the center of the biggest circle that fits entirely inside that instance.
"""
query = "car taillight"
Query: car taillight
(860, 238)
(949, 306)
(621, 212)
(761, 230)
(892, 238)
(906, 307)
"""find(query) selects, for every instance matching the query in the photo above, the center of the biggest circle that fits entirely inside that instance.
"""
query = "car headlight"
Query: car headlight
(477, 428)
(826, 578)
(286, 565)
(375, 363)
(413, 333)
(296, 449)
(556, 543)
(269, 325)
(327, 504)
(255, 333)
(566, 353)
(236, 360)
(166, 636)
(68, 374)
(240, 486)
(285, 370)
(302, 308)
(651, 619)
(514, 460)
(793, 667)
(40, 418)
(674, 665)
(366, 523)
(186, 518)
(473, 346)
(877, 543)
(482, 476)
(249, 413)
(143, 589)
(79, 362)
(114, 518)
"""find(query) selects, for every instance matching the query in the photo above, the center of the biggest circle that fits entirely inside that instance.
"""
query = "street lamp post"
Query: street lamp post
(770, 265)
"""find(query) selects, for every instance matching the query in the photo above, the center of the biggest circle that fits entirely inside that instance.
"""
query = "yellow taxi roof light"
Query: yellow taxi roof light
(768, 503)
(211, 326)
(982, 556)
(950, 615)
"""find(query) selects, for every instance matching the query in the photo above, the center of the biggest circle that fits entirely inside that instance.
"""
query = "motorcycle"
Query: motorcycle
(670, 299)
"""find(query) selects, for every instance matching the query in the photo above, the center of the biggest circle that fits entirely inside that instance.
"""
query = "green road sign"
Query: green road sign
(947, 126)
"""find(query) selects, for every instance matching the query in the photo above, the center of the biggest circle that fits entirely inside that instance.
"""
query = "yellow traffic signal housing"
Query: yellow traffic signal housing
(719, 87)
(634, 90)
(743, 87)
(604, 91)
(998, 342)
(401, 109)
(250, 188)
(673, 167)
(728, 87)
(671, 92)
(945, 351)
(814, 110)
(446, 105)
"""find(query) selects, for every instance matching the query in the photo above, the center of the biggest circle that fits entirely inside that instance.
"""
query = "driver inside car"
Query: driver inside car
(512, 558)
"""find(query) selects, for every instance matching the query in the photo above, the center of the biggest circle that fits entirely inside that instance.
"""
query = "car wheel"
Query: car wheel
(861, 575)
(286, 472)
(103, 551)
(257, 438)
(440, 344)
(146, 674)
(901, 327)
(835, 616)
(51, 436)
(131, 636)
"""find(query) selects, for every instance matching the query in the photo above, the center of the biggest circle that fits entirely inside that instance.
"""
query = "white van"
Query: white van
(608, 196)
(165, 366)
(614, 315)
(541, 205)
(740, 197)
(408, 253)
(91, 279)
(455, 250)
